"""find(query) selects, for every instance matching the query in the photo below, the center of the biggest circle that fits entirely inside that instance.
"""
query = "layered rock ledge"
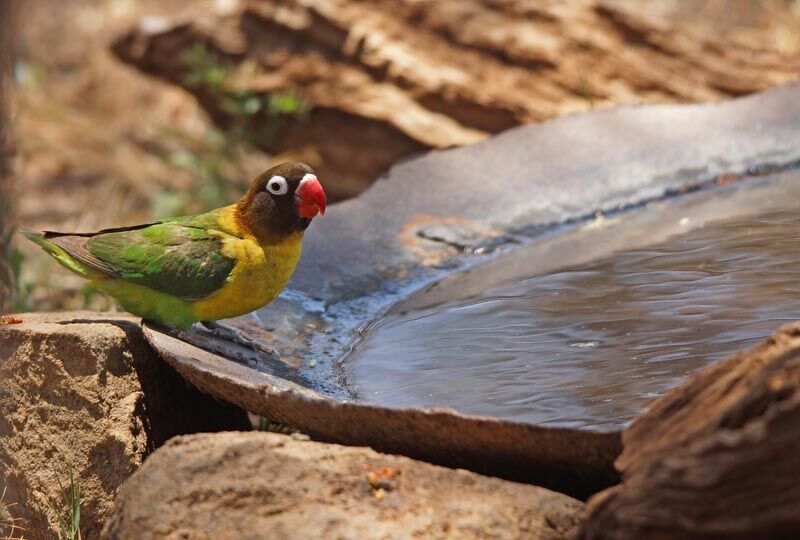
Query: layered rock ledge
(400, 77)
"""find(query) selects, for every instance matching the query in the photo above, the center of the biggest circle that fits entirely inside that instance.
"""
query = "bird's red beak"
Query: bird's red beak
(309, 197)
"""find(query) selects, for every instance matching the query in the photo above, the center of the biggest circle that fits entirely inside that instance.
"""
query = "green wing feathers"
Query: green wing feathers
(181, 258)
(183, 261)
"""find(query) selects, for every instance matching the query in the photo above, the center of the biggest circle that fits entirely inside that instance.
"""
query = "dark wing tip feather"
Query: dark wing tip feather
(54, 234)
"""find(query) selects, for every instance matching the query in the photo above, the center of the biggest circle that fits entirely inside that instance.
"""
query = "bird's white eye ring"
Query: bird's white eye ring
(278, 185)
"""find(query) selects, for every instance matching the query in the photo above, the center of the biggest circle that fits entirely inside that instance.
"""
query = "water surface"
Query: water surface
(592, 345)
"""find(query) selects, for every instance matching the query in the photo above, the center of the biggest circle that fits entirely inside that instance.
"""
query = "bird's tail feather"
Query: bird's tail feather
(33, 236)
(57, 252)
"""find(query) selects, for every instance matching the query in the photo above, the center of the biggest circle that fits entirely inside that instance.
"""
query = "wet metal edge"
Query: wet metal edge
(575, 462)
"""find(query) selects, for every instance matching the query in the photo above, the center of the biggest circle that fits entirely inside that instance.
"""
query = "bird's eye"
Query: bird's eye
(277, 185)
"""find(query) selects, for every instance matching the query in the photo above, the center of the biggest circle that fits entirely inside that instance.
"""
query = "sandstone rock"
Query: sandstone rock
(83, 392)
(392, 77)
(715, 458)
(264, 485)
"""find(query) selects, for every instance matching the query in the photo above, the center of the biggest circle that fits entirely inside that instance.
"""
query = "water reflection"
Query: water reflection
(592, 345)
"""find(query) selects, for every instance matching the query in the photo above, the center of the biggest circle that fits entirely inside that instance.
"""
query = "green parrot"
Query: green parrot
(221, 264)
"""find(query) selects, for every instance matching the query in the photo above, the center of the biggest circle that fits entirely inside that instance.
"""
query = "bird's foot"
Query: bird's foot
(224, 331)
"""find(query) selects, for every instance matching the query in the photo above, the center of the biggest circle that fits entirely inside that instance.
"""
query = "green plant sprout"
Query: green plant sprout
(255, 117)
(68, 509)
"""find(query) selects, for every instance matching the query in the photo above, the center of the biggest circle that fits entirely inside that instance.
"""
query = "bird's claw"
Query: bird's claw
(229, 333)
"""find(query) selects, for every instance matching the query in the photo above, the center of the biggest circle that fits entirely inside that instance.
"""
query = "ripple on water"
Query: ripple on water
(591, 346)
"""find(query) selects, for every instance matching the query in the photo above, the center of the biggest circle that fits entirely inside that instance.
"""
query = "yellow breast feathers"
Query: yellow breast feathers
(260, 273)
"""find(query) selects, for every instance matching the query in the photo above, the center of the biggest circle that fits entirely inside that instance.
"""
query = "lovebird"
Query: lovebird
(221, 264)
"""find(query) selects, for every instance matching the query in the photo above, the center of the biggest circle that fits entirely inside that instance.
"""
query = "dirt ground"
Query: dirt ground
(100, 144)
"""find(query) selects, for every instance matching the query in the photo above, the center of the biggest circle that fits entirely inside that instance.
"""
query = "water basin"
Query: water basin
(591, 345)
(373, 254)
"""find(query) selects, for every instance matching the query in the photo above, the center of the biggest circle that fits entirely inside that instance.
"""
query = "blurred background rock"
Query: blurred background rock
(349, 86)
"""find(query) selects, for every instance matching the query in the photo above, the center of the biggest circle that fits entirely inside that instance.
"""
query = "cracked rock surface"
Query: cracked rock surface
(83, 393)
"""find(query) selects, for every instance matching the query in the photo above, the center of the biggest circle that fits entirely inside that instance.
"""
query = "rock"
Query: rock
(715, 458)
(392, 77)
(265, 485)
(83, 393)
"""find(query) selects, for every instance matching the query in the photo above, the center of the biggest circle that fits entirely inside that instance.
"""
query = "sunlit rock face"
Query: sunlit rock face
(235, 485)
(83, 394)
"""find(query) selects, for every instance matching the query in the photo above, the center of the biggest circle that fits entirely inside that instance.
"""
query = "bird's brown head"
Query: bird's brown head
(281, 201)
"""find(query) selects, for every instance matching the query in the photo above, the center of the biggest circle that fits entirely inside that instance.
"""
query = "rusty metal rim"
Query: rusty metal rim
(575, 462)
